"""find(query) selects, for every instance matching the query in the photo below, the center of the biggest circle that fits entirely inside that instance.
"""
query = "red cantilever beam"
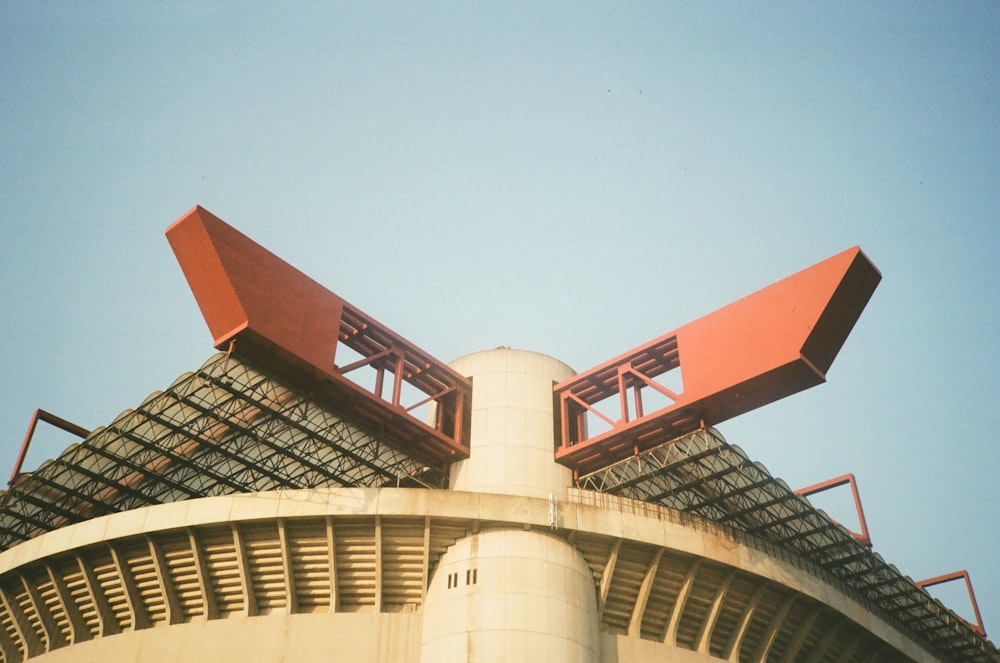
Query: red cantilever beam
(771, 344)
(271, 314)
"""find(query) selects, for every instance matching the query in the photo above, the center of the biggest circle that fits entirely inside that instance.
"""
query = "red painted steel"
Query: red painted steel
(274, 316)
(768, 345)
(864, 535)
(49, 418)
(959, 575)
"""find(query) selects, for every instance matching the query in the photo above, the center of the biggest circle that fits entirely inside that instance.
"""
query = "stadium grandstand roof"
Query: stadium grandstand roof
(231, 428)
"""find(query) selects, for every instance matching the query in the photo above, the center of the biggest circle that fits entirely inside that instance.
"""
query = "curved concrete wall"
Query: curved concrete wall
(511, 595)
(365, 561)
(298, 638)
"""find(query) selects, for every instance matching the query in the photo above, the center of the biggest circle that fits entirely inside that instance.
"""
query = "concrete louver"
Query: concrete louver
(382, 563)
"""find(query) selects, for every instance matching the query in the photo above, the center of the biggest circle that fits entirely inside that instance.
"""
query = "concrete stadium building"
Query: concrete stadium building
(323, 490)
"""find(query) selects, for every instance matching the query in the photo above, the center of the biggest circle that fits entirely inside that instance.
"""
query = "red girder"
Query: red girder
(959, 575)
(771, 344)
(264, 310)
(864, 536)
(49, 418)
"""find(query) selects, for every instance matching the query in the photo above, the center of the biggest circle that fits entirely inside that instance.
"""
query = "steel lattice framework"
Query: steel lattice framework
(226, 428)
(701, 474)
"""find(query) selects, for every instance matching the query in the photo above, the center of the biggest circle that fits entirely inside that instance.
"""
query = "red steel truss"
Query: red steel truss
(49, 418)
(768, 345)
(264, 310)
(959, 575)
(864, 536)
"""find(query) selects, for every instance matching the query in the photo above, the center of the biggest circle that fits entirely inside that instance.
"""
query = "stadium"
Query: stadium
(323, 489)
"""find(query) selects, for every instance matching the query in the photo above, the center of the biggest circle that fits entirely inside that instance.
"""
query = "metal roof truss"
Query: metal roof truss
(699, 473)
(226, 428)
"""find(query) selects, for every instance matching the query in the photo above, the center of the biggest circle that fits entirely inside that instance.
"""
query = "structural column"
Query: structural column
(511, 594)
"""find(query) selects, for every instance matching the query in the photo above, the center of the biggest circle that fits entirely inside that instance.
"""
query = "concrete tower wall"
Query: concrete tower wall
(512, 435)
(511, 595)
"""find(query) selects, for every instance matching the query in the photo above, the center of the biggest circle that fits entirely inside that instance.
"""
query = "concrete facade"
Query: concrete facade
(339, 570)
(510, 593)
(511, 564)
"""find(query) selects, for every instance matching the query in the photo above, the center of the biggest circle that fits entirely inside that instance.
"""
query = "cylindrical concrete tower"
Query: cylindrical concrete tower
(505, 594)
(512, 439)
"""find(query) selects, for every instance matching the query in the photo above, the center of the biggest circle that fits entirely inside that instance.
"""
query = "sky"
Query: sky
(573, 179)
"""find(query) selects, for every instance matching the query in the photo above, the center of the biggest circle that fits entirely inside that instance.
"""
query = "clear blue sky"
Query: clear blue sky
(573, 179)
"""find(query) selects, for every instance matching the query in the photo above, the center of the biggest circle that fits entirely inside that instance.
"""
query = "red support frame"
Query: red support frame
(768, 345)
(864, 536)
(49, 418)
(274, 316)
(958, 575)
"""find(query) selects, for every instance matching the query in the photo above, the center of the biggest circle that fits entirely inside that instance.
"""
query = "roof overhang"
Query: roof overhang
(768, 345)
(265, 311)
